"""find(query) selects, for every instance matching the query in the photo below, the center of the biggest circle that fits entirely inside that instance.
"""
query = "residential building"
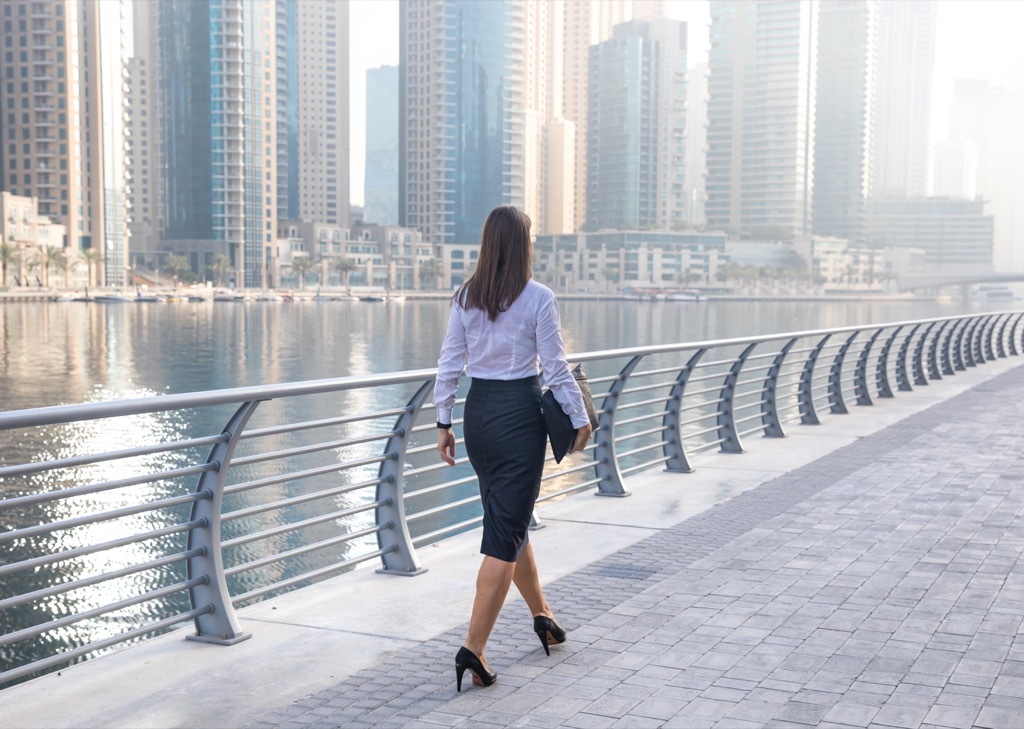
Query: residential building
(585, 23)
(955, 235)
(696, 144)
(219, 148)
(901, 129)
(843, 116)
(63, 107)
(380, 177)
(33, 237)
(636, 128)
(610, 260)
(761, 117)
(461, 141)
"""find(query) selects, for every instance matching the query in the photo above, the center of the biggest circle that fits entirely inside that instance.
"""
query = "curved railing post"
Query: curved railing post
(1001, 337)
(220, 625)
(860, 372)
(987, 342)
(882, 366)
(805, 390)
(956, 346)
(902, 378)
(835, 378)
(1013, 339)
(918, 363)
(939, 361)
(727, 432)
(966, 345)
(675, 454)
(769, 402)
(977, 340)
(393, 538)
(606, 461)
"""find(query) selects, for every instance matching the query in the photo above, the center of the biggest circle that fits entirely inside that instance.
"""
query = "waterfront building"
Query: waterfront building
(761, 117)
(380, 177)
(144, 197)
(219, 113)
(843, 116)
(955, 235)
(584, 23)
(34, 238)
(636, 128)
(901, 128)
(461, 145)
(610, 260)
(696, 144)
(63, 105)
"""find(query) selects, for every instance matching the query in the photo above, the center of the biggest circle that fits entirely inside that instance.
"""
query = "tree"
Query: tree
(176, 267)
(430, 272)
(45, 257)
(345, 266)
(8, 254)
(220, 266)
(611, 275)
(93, 257)
(300, 267)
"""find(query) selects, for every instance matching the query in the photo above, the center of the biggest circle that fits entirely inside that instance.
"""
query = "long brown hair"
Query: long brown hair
(504, 268)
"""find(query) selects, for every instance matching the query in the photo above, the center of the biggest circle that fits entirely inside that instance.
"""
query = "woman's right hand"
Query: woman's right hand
(582, 438)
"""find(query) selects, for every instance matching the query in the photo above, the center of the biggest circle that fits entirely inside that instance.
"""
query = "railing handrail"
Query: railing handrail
(57, 414)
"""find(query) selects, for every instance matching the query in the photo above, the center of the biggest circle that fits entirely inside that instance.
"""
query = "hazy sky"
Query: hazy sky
(976, 39)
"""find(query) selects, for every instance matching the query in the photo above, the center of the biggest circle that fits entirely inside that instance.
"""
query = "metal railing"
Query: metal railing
(124, 519)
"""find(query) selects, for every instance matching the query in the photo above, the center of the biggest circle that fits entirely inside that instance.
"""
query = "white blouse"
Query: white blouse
(519, 343)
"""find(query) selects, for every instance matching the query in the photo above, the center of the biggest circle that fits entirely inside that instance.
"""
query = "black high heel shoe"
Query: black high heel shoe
(464, 659)
(544, 627)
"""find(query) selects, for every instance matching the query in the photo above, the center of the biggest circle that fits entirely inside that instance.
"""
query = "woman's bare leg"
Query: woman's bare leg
(492, 583)
(527, 580)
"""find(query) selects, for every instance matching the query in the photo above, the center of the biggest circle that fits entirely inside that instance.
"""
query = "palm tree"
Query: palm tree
(175, 267)
(300, 267)
(345, 266)
(43, 258)
(93, 257)
(219, 267)
(430, 272)
(8, 254)
(611, 275)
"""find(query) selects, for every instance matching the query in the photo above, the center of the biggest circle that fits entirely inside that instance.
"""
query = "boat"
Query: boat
(688, 295)
(194, 298)
(372, 298)
(110, 299)
(269, 296)
(228, 296)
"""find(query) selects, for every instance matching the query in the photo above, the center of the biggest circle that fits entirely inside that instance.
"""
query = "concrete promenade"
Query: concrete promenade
(865, 572)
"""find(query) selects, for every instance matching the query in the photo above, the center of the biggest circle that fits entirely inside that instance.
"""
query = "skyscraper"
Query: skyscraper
(905, 57)
(144, 135)
(760, 117)
(218, 102)
(843, 116)
(586, 22)
(636, 127)
(62, 98)
(461, 145)
(380, 178)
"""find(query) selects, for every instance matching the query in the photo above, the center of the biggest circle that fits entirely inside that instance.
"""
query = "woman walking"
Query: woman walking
(504, 328)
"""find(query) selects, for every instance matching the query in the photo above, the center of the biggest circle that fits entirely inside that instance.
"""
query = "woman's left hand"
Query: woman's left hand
(446, 445)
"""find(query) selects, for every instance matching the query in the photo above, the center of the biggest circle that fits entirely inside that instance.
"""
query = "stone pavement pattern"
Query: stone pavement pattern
(880, 585)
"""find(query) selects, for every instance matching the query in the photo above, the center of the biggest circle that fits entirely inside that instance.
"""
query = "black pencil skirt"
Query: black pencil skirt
(505, 441)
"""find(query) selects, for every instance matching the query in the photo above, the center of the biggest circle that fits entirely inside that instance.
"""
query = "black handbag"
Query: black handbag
(561, 432)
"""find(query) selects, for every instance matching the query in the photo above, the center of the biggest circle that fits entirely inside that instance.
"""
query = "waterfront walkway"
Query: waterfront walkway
(865, 572)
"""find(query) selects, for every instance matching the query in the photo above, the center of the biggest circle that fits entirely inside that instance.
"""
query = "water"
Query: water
(65, 353)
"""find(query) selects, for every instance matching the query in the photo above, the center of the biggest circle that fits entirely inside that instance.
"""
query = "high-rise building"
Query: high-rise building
(219, 114)
(380, 176)
(585, 22)
(144, 136)
(843, 116)
(63, 104)
(696, 143)
(761, 117)
(905, 57)
(636, 127)
(461, 145)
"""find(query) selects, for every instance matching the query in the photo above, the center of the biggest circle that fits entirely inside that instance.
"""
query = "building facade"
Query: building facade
(761, 117)
(461, 145)
(219, 114)
(144, 195)
(636, 158)
(843, 117)
(62, 70)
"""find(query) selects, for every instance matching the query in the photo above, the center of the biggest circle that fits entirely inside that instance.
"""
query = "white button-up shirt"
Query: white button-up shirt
(520, 343)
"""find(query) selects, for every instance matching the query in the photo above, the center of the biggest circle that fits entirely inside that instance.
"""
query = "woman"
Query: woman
(504, 327)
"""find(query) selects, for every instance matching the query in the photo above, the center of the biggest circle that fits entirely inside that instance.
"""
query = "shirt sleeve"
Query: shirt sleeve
(551, 350)
(450, 364)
